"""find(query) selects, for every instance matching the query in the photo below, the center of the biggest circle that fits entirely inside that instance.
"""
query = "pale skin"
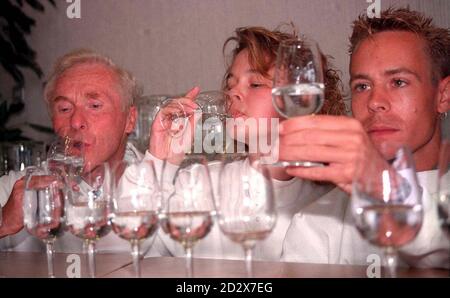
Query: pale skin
(86, 104)
(394, 100)
(250, 96)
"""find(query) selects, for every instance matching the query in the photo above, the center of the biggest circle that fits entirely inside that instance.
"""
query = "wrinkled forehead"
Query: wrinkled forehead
(87, 78)
(90, 72)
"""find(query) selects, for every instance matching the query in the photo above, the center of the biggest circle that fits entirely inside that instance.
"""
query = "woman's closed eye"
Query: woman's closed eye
(260, 85)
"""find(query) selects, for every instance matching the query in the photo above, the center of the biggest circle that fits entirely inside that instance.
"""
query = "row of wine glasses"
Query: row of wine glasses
(68, 193)
(212, 183)
(89, 205)
(244, 207)
(386, 203)
(126, 197)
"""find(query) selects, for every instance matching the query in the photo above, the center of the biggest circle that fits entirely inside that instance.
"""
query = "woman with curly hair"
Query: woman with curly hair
(248, 84)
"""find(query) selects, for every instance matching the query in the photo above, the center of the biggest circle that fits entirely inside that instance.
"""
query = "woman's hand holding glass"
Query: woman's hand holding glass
(172, 129)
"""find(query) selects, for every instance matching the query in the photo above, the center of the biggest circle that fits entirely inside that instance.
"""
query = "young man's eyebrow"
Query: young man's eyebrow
(402, 70)
(359, 76)
(389, 72)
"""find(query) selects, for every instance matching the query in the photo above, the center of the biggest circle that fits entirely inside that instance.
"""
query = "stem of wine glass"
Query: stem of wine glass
(91, 257)
(49, 249)
(249, 261)
(135, 255)
(189, 271)
(390, 259)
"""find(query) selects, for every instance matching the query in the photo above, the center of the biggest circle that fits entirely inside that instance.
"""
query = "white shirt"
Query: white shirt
(23, 241)
(323, 232)
(290, 197)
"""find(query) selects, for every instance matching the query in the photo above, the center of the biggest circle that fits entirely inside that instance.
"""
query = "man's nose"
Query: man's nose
(78, 120)
(379, 100)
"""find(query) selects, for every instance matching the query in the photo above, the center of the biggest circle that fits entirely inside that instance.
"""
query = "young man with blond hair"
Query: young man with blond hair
(400, 86)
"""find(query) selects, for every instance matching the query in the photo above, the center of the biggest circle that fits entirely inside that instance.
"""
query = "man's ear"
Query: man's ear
(131, 119)
(443, 104)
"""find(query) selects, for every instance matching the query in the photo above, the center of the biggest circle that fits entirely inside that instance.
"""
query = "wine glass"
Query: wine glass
(209, 131)
(174, 116)
(387, 205)
(43, 207)
(298, 84)
(444, 187)
(190, 206)
(246, 207)
(148, 106)
(66, 154)
(135, 204)
(87, 206)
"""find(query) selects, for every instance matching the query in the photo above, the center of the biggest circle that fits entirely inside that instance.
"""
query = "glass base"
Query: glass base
(303, 164)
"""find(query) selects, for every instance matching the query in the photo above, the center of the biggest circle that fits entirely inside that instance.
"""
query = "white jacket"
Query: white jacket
(323, 232)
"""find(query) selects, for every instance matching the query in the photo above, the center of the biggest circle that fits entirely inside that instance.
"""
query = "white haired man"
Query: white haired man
(88, 96)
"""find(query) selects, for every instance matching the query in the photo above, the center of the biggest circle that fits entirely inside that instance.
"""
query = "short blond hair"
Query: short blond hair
(129, 88)
(437, 39)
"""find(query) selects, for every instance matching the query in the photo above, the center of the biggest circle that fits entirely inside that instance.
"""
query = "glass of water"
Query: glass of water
(298, 84)
(87, 206)
(135, 204)
(387, 205)
(246, 203)
(43, 208)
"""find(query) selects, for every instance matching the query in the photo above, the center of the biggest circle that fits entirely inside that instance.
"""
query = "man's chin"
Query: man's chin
(388, 148)
(90, 164)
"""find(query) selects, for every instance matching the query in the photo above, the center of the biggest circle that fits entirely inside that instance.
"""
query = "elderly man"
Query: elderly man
(90, 97)
(400, 85)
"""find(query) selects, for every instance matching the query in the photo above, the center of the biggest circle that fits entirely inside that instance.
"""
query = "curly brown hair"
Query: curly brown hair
(262, 45)
(403, 19)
